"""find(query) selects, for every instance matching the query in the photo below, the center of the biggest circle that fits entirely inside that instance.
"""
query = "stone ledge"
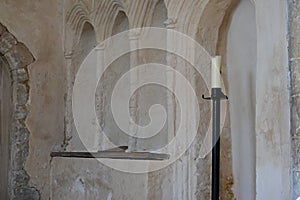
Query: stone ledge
(113, 155)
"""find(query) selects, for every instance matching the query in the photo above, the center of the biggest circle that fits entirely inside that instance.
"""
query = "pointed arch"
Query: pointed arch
(105, 16)
(77, 17)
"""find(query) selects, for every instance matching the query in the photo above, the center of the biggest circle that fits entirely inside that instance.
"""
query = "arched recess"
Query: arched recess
(151, 94)
(84, 30)
(15, 58)
(87, 42)
(107, 83)
(160, 14)
(241, 54)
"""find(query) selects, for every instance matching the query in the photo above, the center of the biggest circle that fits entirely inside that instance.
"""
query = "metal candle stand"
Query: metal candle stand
(216, 96)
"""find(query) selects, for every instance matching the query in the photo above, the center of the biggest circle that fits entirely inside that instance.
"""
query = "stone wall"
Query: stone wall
(294, 59)
(190, 170)
(52, 29)
(18, 57)
(36, 25)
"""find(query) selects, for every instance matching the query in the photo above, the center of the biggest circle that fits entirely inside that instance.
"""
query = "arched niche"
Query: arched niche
(121, 23)
(241, 54)
(86, 43)
(151, 94)
(107, 83)
(160, 14)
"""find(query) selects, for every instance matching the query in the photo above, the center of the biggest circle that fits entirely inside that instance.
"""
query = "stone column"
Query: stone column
(171, 62)
(294, 62)
(134, 77)
(68, 114)
(178, 171)
(100, 95)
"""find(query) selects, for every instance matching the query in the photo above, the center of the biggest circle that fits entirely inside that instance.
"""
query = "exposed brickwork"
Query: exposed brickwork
(18, 58)
(294, 55)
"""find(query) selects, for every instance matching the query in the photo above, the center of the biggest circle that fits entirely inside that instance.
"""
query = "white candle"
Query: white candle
(216, 72)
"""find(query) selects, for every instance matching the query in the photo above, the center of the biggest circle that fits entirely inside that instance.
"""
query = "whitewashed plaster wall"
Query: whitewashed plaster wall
(241, 65)
(272, 102)
(272, 129)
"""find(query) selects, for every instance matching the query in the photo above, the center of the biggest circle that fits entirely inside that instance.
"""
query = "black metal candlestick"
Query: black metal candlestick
(216, 96)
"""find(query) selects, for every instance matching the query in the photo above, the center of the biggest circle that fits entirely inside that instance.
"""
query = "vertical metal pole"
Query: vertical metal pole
(216, 96)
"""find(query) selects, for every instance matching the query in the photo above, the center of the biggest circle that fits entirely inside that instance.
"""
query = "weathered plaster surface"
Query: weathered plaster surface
(52, 29)
(272, 102)
(89, 179)
(38, 25)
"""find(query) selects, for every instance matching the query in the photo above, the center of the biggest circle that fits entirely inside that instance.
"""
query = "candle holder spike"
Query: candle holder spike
(222, 97)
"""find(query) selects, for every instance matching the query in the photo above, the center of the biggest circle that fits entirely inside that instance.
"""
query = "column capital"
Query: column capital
(100, 47)
(170, 23)
(69, 55)
(134, 34)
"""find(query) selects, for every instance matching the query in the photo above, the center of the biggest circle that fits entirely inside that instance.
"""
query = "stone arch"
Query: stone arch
(18, 58)
(121, 23)
(84, 30)
(214, 12)
(80, 49)
(145, 10)
(77, 18)
(105, 16)
(108, 81)
(79, 28)
(151, 94)
(75, 21)
(159, 15)
(87, 41)
(137, 9)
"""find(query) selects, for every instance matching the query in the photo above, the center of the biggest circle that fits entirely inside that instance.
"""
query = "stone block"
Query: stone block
(20, 75)
(20, 112)
(18, 56)
(20, 178)
(20, 133)
(20, 155)
(7, 41)
(2, 29)
(21, 93)
(26, 193)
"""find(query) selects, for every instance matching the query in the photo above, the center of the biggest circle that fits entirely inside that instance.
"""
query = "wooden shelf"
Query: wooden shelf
(117, 153)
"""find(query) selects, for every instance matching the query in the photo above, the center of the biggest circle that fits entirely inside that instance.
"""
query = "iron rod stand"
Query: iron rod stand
(216, 96)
